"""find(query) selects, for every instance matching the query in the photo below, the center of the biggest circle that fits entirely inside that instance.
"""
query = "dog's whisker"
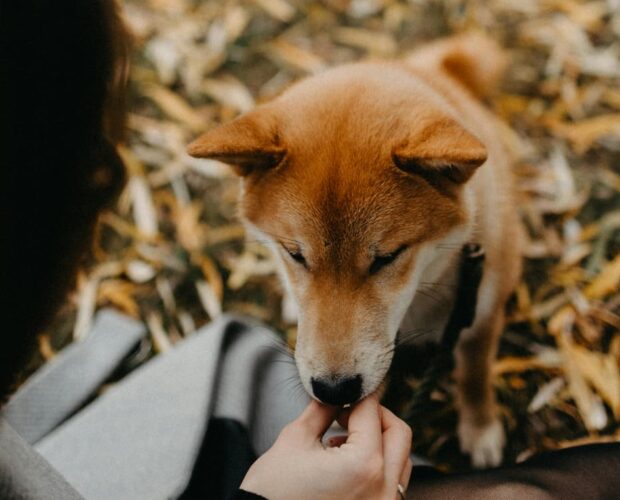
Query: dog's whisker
(282, 238)
(286, 361)
(432, 290)
(293, 386)
(418, 331)
(279, 349)
(448, 247)
(437, 283)
(429, 295)
(290, 382)
(414, 334)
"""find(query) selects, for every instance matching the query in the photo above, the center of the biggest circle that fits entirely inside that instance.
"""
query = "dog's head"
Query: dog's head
(353, 177)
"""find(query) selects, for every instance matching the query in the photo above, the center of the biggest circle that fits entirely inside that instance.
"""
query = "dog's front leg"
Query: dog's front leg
(480, 430)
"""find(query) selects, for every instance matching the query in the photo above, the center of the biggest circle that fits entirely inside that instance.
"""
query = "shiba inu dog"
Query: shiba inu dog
(366, 181)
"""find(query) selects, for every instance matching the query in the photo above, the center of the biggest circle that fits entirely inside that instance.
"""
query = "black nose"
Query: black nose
(338, 391)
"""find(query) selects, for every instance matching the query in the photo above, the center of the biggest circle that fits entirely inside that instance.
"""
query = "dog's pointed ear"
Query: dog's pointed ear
(249, 144)
(443, 153)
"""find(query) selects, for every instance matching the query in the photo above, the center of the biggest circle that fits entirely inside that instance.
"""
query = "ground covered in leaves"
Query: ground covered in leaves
(173, 255)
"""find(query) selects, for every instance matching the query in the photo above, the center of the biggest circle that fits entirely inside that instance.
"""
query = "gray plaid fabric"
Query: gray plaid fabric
(140, 439)
(61, 386)
(25, 475)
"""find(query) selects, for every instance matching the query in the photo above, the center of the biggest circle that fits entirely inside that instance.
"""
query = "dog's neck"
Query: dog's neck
(437, 282)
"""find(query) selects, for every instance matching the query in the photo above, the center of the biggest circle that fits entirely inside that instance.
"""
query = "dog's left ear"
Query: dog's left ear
(443, 153)
(249, 143)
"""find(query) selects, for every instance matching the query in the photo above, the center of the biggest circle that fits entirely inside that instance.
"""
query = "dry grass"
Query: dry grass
(173, 254)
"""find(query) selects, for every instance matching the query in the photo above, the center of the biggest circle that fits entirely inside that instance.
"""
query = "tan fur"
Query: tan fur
(364, 160)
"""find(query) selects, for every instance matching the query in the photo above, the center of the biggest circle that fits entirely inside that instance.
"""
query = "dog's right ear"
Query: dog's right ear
(249, 144)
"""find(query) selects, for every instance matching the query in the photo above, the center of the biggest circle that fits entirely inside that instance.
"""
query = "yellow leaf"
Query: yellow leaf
(278, 9)
(190, 232)
(209, 300)
(120, 294)
(606, 282)
(175, 106)
(585, 133)
(602, 372)
(285, 52)
(211, 273)
(588, 404)
(230, 92)
(377, 43)
(161, 341)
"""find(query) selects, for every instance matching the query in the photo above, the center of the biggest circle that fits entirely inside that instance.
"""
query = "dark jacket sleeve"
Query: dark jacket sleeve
(246, 495)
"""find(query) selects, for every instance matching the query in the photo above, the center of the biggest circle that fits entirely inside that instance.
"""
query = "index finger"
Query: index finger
(364, 424)
(314, 421)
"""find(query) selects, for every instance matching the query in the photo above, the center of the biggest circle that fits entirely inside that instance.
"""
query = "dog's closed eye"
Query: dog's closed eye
(297, 256)
(381, 261)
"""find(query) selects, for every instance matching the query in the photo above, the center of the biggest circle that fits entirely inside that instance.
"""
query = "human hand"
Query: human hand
(369, 464)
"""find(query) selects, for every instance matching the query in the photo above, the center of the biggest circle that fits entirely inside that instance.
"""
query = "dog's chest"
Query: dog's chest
(433, 302)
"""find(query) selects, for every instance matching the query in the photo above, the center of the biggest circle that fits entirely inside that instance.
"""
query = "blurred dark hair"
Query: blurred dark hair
(64, 70)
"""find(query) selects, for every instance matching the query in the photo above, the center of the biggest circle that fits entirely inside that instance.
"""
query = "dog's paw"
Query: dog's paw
(484, 443)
